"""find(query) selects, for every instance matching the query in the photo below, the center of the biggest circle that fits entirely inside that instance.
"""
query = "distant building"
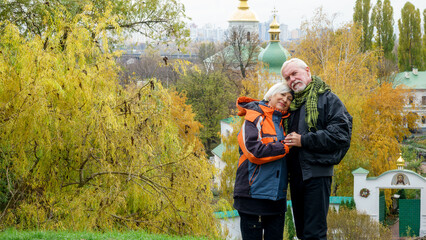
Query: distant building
(263, 31)
(206, 33)
(295, 34)
(416, 81)
(284, 35)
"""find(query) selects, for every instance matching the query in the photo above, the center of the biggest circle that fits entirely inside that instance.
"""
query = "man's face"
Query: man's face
(297, 77)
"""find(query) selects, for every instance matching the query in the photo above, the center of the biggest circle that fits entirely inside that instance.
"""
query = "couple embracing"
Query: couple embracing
(295, 135)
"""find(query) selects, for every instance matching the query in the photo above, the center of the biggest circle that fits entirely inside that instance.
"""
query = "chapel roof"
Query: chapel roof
(411, 80)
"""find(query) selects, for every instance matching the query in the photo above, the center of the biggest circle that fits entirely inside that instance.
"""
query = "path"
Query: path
(395, 233)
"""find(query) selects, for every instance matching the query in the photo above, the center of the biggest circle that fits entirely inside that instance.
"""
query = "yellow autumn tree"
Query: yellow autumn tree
(230, 156)
(334, 55)
(387, 129)
(80, 152)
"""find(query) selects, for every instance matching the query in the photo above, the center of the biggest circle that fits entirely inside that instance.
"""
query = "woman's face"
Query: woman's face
(281, 101)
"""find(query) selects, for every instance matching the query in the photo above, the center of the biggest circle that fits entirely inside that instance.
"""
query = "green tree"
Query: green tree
(377, 21)
(343, 204)
(413, 159)
(410, 45)
(383, 23)
(211, 95)
(361, 16)
(81, 152)
(205, 50)
(159, 20)
(348, 205)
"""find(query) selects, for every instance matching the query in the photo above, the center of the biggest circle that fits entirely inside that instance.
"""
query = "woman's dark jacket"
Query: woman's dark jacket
(262, 171)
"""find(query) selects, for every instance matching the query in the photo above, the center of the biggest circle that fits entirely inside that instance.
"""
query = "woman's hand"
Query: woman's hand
(293, 140)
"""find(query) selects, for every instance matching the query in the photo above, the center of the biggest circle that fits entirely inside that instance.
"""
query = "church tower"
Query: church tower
(274, 54)
(244, 17)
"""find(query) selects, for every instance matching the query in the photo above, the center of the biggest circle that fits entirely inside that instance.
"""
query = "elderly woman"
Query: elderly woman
(261, 182)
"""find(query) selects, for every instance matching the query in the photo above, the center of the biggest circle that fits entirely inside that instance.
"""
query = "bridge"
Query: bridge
(137, 55)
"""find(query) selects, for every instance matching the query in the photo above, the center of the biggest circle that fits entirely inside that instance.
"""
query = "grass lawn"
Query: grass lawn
(12, 234)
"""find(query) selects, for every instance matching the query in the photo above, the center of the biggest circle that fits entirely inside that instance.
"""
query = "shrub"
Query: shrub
(351, 224)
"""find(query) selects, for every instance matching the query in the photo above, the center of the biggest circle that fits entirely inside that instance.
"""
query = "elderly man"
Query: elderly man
(320, 130)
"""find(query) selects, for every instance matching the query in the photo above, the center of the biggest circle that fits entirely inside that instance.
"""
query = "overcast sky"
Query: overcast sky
(292, 13)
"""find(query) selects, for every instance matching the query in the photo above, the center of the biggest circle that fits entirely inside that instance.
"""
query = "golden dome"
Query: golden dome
(400, 163)
(274, 27)
(243, 14)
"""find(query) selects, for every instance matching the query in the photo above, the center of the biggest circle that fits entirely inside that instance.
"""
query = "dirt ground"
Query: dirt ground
(395, 231)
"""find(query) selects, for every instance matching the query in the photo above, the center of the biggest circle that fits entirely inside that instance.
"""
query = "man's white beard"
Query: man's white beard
(300, 87)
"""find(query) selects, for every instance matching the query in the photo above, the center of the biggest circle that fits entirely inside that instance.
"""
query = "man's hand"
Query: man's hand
(293, 140)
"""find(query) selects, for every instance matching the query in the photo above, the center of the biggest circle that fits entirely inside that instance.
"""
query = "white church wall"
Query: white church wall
(418, 106)
(225, 129)
(394, 179)
(252, 27)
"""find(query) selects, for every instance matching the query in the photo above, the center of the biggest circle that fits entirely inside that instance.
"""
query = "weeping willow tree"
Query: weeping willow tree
(79, 152)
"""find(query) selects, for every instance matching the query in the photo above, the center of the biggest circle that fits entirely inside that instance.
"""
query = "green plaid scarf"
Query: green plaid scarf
(310, 96)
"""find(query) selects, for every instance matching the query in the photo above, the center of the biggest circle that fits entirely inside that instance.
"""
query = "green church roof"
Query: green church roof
(274, 55)
(360, 171)
(218, 151)
(230, 120)
(411, 80)
(338, 199)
